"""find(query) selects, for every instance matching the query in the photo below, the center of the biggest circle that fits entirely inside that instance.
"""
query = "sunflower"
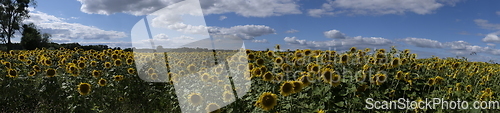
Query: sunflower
(439, 79)
(205, 77)
(468, 88)
(335, 80)
(314, 68)
(50, 72)
(84, 88)
(131, 71)
(286, 67)
(431, 81)
(270, 53)
(380, 78)
(278, 60)
(96, 73)
(93, 63)
(327, 75)
(150, 71)
(277, 47)
(251, 56)
(12, 73)
(129, 61)
(279, 77)
(118, 77)
(353, 49)
(195, 99)
(81, 65)
(457, 86)
(399, 75)
(298, 85)
(267, 101)
(47, 62)
(213, 108)
(268, 76)
(117, 62)
(153, 76)
(227, 96)
(256, 72)
(287, 88)
(344, 58)
(102, 82)
(260, 62)
(32, 73)
(395, 62)
(107, 65)
(21, 57)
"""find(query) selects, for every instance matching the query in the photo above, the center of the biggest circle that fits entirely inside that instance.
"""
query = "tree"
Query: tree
(12, 14)
(32, 38)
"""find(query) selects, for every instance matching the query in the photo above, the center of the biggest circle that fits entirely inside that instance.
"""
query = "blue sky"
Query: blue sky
(444, 28)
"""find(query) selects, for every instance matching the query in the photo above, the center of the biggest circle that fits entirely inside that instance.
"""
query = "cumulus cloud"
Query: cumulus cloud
(63, 31)
(346, 43)
(422, 42)
(222, 17)
(253, 8)
(260, 41)
(246, 32)
(292, 31)
(456, 47)
(491, 37)
(380, 7)
(335, 34)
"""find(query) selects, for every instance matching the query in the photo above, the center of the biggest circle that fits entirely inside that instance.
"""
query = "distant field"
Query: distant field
(69, 80)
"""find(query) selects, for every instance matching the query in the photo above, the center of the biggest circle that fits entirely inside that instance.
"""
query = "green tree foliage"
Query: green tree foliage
(32, 38)
(12, 14)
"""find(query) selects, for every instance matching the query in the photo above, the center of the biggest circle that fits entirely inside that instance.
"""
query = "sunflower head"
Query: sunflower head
(227, 96)
(195, 99)
(12, 73)
(213, 108)
(107, 65)
(117, 62)
(267, 101)
(381, 78)
(118, 77)
(431, 81)
(268, 76)
(468, 88)
(84, 88)
(50, 72)
(131, 71)
(287, 88)
(102, 82)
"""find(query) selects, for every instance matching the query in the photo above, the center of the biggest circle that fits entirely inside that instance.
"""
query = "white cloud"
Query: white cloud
(246, 32)
(260, 41)
(63, 31)
(292, 31)
(380, 7)
(252, 8)
(493, 38)
(135, 7)
(222, 17)
(486, 25)
(457, 47)
(346, 43)
(335, 34)
(421, 42)
(498, 13)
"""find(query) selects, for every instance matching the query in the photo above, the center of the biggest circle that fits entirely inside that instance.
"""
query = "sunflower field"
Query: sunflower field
(305, 81)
